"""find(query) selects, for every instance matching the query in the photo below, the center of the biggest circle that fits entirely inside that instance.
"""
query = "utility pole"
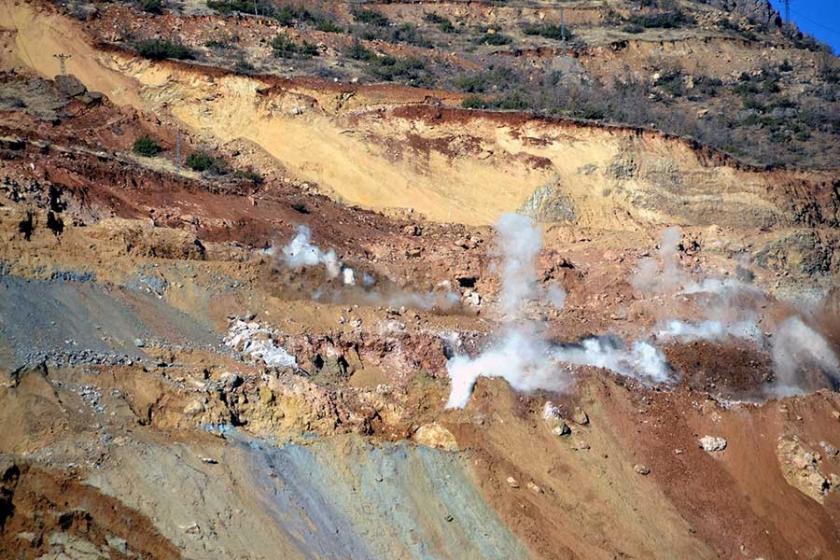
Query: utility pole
(62, 58)
(563, 26)
(787, 12)
(178, 151)
(256, 8)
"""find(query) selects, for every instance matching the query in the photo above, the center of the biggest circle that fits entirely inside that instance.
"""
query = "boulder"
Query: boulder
(435, 435)
(70, 85)
(711, 444)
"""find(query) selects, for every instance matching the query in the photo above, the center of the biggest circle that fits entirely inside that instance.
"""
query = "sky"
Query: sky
(820, 18)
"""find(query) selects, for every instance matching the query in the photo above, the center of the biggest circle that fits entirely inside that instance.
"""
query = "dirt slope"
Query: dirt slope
(171, 385)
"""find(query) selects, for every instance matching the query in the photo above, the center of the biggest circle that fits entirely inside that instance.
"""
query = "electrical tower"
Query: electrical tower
(62, 59)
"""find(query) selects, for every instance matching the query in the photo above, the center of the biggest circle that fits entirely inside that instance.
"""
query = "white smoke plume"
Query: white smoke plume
(519, 244)
(521, 354)
(712, 330)
(300, 252)
(663, 273)
(642, 360)
(797, 346)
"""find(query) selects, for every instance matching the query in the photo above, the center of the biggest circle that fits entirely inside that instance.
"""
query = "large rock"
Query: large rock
(712, 444)
(70, 85)
(435, 435)
(800, 467)
(759, 11)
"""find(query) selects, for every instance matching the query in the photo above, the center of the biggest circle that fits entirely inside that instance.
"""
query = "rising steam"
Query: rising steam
(796, 347)
(521, 354)
(300, 252)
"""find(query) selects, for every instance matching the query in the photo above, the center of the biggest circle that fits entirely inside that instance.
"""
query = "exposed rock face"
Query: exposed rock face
(801, 468)
(759, 11)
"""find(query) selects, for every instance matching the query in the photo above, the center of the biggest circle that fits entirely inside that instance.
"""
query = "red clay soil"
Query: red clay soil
(40, 503)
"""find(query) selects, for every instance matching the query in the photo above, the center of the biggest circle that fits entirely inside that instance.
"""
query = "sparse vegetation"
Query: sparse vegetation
(261, 7)
(389, 68)
(159, 49)
(729, 113)
(442, 23)
(492, 79)
(495, 39)
(473, 102)
(203, 162)
(249, 175)
(283, 47)
(664, 20)
(152, 6)
(370, 17)
(146, 146)
(549, 31)
(357, 51)
(292, 15)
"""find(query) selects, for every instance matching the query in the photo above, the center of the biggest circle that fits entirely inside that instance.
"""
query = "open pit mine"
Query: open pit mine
(432, 280)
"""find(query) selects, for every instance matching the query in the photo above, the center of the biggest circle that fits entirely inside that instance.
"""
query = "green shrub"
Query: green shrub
(473, 102)
(146, 146)
(664, 20)
(671, 82)
(249, 175)
(370, 17)
(202, 161)
(495, 39)
(287, 15)
(357, 51)
(242, 66)
(328, 26)
(284, 47)
(221, 42)
(489, 80)
(515, 101)
(441, 22)
(549, 31)
(152, 6)
(264, 7)
(408, 33)
(159, 49)
(389, 69)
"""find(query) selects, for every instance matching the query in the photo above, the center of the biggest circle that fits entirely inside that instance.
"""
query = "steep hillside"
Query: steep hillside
(725, 73)
(417, 280)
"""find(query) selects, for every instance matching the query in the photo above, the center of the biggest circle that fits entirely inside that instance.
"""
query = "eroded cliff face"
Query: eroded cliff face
(176, 384)
(386, 147)
(760, 11)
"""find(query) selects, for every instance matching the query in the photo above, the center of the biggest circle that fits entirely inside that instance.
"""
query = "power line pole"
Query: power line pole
(563, 26)
(787, 12)
(62, 58)
(178, 151)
